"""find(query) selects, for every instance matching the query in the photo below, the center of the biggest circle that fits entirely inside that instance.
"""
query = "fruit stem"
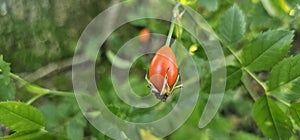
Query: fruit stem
(170, 34)
(175, 14)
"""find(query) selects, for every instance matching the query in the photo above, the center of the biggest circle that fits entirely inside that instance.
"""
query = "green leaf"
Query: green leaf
(19, 116)
(232, 25)
(295, 113)
(7, 92)
(271, 120)
(285, 75)
(32, 135)
(7, 87)
(267, 49)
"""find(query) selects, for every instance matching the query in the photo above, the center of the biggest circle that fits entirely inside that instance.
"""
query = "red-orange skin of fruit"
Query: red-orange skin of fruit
(144, 35)
(163, 62)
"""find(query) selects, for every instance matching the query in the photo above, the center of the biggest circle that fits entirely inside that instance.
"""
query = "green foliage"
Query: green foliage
(272, 121)
(33, 135)
(232, 25)
(7, 87)
(19, 116)
(260, 40)
(64, 118)
(27, 122)
(295, 112)
(284, 77)
(266, 50)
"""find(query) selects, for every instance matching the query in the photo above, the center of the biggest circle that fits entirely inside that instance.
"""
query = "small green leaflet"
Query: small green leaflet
(232, 25)
(266, 50)
(285, 75)
(19, 116)
(271, 120)
(7, 87)
(295, 112)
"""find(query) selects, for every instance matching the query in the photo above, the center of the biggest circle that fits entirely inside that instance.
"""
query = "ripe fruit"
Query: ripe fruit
(144, 35)
(163, 73)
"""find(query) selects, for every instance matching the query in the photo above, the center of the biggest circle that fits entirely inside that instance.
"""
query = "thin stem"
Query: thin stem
(234, 54)
(40, 91)
(61, 93)
(18, 78)
(34, 98)
(250, 73)
(170, 33)
(175, 14)
(52, 92)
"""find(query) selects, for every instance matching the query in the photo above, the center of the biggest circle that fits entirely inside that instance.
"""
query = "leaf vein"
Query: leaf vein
(273, 120)
(266, 50)
(19, 115)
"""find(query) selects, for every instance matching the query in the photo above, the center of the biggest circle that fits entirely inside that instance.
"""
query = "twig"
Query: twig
(52, 67)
